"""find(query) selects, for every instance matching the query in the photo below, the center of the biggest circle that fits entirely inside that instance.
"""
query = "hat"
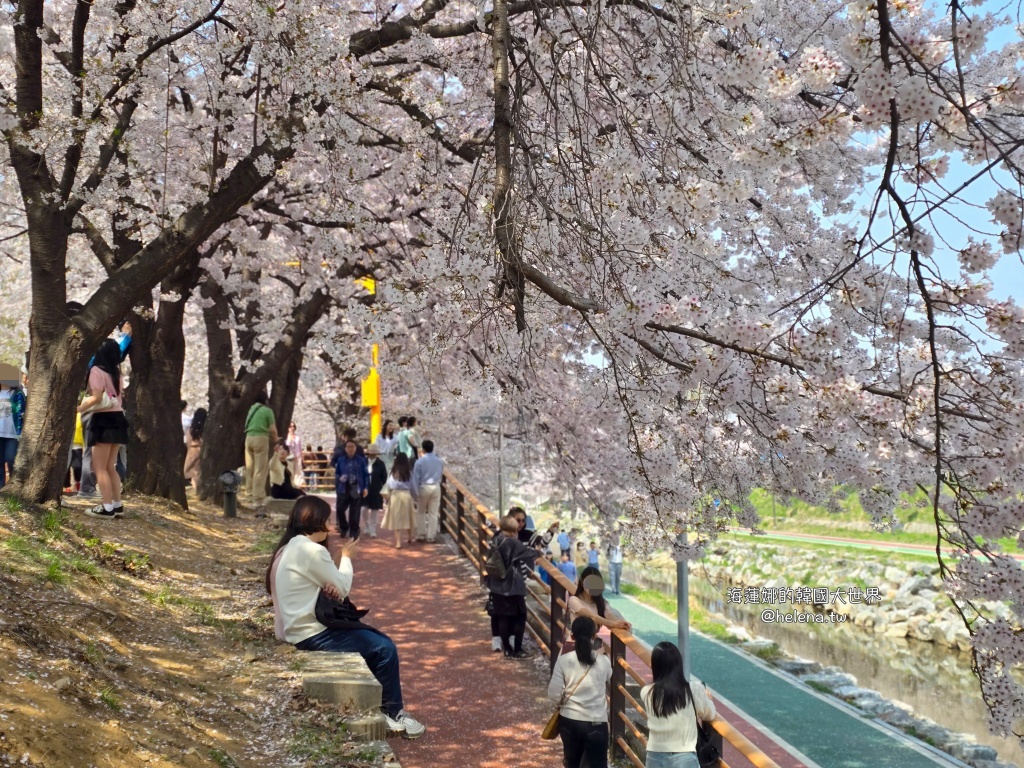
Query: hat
(372, 449)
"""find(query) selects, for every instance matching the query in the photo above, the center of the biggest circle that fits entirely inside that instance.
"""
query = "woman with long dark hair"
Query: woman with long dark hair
(398, 517)
(387, 444)
(300, 568)
(194, 446)
(673, 706)
(108, 427)
(578, 683)
(589, 601)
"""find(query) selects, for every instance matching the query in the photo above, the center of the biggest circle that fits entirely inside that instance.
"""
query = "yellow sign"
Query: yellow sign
(370, 394)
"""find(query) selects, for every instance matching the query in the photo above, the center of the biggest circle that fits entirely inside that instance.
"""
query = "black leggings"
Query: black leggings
(510, 630)
(584, 743)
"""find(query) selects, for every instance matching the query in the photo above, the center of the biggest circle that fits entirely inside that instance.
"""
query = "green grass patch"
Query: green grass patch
(819, 687)
(222, 758)
(165, 596)
(52, 522)
(11, 505)
(108, 697)
(265, 542)
(323, 744)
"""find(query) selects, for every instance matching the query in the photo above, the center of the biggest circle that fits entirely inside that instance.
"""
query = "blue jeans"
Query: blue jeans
(377, 650)
(672, 760)
(8, 450)
(614, 576)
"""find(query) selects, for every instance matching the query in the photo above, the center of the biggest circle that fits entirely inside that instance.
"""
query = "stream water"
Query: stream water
(936, 681)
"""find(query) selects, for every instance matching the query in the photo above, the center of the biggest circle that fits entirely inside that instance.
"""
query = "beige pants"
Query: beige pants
(257, 465)
(428, 508)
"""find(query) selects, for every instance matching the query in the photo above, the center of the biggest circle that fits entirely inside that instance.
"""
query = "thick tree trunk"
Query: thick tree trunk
(156, 454)
(284, 388)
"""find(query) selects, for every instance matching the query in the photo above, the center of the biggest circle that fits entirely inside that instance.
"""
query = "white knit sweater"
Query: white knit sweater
(303, 569)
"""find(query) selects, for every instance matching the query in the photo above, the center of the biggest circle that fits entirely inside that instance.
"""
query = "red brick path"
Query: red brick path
(480, 710)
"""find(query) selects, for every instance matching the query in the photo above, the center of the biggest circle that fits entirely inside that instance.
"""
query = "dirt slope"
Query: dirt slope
(148, 641)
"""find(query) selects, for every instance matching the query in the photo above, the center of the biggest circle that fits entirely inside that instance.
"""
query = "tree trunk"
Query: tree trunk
(284, 388)
(156, 453)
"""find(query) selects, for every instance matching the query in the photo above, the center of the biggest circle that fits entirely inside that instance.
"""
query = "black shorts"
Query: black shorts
(509, 605)
(108, 428)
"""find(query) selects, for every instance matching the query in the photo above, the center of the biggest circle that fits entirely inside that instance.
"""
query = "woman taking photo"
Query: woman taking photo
(300, 568)
(108, 428)
(673, 706)
(398, 517)
(578, 682)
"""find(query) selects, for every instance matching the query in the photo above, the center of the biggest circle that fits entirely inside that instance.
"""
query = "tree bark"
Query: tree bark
(156, 453)
(284, 388)
(231, 396)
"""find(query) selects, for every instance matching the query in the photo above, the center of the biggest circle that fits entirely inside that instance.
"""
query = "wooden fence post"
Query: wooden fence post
(555, 644)
(617, 727)
(460, 520)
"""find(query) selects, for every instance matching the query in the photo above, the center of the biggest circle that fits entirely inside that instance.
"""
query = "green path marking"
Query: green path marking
(825, 733)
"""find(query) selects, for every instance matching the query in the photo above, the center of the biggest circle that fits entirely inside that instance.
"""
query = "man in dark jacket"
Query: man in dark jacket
(351, 486)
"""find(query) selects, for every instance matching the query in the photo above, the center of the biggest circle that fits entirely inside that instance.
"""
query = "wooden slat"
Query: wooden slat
(634, 702)
(632, 672)
(629, 753)
(629, 724)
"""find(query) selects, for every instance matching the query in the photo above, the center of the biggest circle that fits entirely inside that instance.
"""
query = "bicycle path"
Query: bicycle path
(818, 732)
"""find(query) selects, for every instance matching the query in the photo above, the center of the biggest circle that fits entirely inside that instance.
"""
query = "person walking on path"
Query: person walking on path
(194, 446)
(260, 434)
(351, 485)
(567, 567)
(564, 543)
(615, 564)
(387, 444)
(299, 569)
(374, 501)
(508, 593)
(579, 556)
(108, 427)
(426, 486)
(295, 451)
(403, 437)
(673, 707)
(12, 412)
(578, 682)
(399, 514)
(593, 556)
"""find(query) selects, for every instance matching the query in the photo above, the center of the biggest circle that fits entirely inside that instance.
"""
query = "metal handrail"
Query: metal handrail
(466, 519)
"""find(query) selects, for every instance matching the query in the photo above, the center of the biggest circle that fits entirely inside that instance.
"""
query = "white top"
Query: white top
(7, 415)
(588, 703)
(303, 568)
(678, 731)
(576, 607)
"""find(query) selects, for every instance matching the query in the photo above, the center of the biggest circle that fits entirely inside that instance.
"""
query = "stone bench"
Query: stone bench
(281, 507)
(345, 680)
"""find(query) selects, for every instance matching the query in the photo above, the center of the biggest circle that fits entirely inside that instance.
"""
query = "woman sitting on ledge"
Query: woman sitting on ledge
(281, 474)
(299, 569)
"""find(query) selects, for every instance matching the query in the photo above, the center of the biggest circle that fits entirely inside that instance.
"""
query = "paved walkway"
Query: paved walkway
(815, 732)
(480, 710)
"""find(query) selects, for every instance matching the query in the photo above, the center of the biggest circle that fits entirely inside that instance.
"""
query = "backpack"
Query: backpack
(494, 563)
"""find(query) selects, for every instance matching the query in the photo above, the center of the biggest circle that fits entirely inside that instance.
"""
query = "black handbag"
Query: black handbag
(339, 614)
(708, 754)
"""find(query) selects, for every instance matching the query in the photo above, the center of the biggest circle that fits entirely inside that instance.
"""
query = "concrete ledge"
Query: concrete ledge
(280, 507)
(340, 678)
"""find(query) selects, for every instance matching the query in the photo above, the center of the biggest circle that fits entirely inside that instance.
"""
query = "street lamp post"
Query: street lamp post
(683, 605)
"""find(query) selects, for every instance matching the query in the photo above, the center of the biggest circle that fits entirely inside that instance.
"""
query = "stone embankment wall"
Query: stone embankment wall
(910, 603)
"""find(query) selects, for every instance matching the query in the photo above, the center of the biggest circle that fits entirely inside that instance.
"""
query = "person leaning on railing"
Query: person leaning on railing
(589, 601)
(673, 706)
(583, 720)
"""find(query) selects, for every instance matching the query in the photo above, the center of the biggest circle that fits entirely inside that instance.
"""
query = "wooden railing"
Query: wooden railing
(318, 476)
(472, 525)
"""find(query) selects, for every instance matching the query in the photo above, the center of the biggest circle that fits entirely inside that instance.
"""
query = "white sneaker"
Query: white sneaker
(396, 725)
(495, 643)
(411, 729)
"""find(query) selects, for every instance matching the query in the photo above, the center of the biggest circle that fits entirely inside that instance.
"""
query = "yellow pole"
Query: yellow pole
(371, 397)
